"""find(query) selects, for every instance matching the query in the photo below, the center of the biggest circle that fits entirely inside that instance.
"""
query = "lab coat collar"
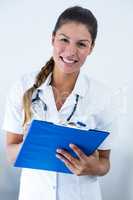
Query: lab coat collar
(80, 86)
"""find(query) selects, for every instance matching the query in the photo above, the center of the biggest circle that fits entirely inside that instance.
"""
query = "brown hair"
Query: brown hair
(75, 14)
(40, 78)
(81, 15)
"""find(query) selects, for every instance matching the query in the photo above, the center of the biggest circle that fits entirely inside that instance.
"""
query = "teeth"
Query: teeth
(68, 61)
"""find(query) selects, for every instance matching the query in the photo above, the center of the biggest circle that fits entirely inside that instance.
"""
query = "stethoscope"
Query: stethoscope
(45, 108)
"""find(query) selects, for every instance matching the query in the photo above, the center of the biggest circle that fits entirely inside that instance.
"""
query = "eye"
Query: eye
(64, 40)
(81, 44)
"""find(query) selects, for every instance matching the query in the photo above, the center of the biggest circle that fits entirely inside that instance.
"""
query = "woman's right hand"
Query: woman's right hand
(14, 142)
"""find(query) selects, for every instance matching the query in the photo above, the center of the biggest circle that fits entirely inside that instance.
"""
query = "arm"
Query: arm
(13, 144)
(97, 164)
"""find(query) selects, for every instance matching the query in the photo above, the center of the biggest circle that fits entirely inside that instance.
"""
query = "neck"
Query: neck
(63, 82)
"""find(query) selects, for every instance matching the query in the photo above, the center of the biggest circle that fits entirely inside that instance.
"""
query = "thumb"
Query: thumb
(96, 154)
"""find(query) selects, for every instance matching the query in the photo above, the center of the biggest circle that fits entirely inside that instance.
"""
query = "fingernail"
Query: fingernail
(57, 155)
(71, 145)
(58, 150)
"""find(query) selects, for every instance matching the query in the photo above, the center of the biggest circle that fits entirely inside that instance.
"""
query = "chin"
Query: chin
(69, 71)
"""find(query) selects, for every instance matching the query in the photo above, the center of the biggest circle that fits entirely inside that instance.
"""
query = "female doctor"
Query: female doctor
(61, 93)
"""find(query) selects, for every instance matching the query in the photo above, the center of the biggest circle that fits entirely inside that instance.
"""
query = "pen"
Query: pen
(81, 124)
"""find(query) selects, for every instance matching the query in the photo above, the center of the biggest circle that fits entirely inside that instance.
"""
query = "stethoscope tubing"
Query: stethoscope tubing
(45, 108)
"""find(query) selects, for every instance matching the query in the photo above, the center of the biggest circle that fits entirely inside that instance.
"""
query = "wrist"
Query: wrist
(102, 167)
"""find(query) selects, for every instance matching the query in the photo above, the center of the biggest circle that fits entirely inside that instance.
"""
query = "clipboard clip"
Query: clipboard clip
(71, 124)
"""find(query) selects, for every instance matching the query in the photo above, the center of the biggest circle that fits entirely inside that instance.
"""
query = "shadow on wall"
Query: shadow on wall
(9, 195)
(9, 176)
(119, 177)
(118, 183)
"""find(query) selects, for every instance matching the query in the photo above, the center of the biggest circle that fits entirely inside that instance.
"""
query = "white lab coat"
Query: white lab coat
(95, 108)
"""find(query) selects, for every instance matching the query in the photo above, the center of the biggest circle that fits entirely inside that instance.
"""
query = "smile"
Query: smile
(65, 60)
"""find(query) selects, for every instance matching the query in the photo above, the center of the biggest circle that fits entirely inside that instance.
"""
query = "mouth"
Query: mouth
(68, 61)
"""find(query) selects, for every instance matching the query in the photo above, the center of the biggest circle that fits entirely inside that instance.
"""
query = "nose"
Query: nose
(71, 50)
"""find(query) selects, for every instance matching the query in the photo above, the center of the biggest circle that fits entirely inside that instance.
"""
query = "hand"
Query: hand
(83, 165)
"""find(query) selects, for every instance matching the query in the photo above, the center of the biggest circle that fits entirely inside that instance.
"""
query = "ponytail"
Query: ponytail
(40, 78)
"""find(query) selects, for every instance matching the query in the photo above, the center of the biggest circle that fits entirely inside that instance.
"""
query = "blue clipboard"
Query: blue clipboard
(39, 148)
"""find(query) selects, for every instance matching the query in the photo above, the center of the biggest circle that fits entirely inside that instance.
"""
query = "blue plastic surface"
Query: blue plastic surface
(39, 148)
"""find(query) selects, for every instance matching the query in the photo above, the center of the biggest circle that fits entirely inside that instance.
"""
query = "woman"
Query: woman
(69, 96)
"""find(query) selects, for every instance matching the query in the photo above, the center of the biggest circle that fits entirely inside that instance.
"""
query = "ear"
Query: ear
(91, 48)
(53, 38)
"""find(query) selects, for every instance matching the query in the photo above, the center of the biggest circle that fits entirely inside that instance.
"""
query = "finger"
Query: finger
(96, 154)
(78, 151)
(68, 164)
(68, 156)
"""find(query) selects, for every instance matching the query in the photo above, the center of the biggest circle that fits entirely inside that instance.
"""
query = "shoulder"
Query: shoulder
(98, 94)
(18, 88)
(27, 80)
(100, 88)
(97, 88)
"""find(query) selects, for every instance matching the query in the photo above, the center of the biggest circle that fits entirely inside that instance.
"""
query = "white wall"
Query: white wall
(25, 45)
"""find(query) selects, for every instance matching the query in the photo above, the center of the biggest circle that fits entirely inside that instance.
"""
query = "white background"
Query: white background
(25, 45)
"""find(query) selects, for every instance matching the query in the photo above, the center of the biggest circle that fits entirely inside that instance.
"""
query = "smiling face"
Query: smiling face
(72, 43)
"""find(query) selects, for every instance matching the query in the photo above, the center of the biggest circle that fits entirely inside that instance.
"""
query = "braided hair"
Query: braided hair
(27, 97)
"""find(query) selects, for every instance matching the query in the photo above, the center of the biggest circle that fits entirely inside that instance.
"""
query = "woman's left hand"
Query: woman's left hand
(83, 165)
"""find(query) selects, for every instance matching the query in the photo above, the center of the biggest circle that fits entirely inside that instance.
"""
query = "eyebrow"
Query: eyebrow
(83, 40)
